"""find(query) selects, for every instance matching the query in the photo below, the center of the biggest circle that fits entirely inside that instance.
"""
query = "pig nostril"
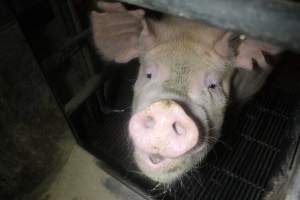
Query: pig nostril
(149, 122)
(156, 158)
(178, 128)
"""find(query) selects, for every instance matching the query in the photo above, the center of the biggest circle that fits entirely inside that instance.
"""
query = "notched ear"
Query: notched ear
(254, 54)
(247, 53)
(120, 34)
(116, 32)
(254, 62)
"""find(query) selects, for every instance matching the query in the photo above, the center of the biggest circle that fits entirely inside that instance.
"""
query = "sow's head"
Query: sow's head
(183, 86)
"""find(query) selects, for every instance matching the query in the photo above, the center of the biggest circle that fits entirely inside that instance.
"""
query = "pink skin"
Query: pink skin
(254, 48)
(163, 131)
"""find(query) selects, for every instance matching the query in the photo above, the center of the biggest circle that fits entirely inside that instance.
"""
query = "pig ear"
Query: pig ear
(227, 44)
(253, 53)
(110, 7)
(117, 32)
(246, 53)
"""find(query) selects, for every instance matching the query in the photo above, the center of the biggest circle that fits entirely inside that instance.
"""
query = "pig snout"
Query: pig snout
(163, 131)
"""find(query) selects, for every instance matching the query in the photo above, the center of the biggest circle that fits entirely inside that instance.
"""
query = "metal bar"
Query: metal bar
(70, 48)
(275, 21)
(90, 86)
(78, 28)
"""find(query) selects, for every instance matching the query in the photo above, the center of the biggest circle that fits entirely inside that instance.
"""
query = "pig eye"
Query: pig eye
(150, 71)
(212, 86)
(212, 82)
(149, 75)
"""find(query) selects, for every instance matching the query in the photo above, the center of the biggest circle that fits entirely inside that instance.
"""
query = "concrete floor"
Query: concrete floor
(82, 179)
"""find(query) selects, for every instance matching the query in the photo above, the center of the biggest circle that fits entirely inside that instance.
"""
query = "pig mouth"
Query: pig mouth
(168, 170)
(157, 162)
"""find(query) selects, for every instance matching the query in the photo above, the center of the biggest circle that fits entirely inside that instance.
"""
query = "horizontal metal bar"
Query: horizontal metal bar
(90, 86)
(275, 21)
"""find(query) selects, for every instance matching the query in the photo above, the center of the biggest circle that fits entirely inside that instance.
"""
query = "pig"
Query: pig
(189, 72)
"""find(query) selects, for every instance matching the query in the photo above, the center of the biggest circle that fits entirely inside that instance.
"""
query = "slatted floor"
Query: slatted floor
(239, 167)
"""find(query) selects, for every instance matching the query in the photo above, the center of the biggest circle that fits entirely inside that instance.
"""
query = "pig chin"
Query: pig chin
(170, 170)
